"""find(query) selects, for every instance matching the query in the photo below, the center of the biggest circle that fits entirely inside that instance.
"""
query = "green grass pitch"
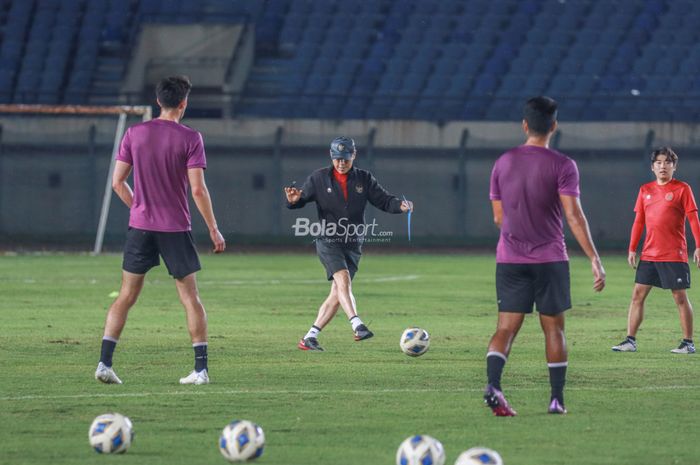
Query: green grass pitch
(352, 404)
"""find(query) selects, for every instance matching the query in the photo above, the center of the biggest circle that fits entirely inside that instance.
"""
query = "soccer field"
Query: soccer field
(352, 404)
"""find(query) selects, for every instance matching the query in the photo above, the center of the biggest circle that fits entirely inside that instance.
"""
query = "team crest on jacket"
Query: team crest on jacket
(669, 196)
(359, 189)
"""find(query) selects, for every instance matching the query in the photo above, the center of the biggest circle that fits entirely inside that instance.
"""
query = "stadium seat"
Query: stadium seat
(448, 55)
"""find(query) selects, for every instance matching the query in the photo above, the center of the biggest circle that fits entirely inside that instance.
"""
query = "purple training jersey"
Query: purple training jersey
(528, 181)
(161, 152)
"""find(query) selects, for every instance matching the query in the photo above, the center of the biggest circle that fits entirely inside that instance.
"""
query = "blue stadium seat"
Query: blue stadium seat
(437, 85)
(561, 84)
(501, 110)
(594, 66)
(681, 84)
(485, 84)
(584, 85)
(658, 84)
(355, 108)
(340, 83)
(459, 88)
(379, 108)
(450, 58)
(402, 108)
(610, 84)
(412, 84)
(511, 85)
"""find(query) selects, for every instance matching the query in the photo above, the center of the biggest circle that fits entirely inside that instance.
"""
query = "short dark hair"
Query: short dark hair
(668, 151)
(171, 91)
(540, 114)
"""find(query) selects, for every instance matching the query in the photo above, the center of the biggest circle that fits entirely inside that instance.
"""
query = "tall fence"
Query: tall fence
(52, 173)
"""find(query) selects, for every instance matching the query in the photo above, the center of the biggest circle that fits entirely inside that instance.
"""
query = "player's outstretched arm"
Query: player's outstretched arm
(695, 229)
(579, 227)
(201, 197)
(121, 187)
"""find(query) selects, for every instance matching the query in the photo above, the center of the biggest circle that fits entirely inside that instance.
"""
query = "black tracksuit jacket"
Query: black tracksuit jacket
(322, 188)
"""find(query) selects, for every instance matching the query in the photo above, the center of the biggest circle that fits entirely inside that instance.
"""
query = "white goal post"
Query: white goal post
(122, 111)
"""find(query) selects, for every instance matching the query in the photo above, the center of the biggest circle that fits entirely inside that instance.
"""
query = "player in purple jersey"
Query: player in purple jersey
(166, 158)
(532, 189)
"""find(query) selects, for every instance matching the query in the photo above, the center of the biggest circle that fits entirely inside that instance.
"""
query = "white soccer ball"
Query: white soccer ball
(420, 449)
(479, 456)
(111, 433)
(415, 342)
(241, 440)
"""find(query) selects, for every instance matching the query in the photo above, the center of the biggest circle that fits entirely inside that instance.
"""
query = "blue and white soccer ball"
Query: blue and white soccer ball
(111, 433)
(420, 449)
(415, 341)
(479, 456)
(241, 440)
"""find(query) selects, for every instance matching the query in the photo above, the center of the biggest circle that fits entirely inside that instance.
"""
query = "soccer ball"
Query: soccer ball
(111, 433)
(415, 342)
(420, 449)
(241, 440)
(479, 456)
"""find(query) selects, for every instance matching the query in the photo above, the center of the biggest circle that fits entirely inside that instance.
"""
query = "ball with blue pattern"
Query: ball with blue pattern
(241, 440)
(479, 456)
(414, 341)
(420, 449)
(111, 433)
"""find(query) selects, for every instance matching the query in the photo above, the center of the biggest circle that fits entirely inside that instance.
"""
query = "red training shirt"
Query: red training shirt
(343, 181)
(663, 210)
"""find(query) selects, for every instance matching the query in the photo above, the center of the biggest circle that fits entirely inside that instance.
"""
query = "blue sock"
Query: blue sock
(557, 379)
(108, 346)
(200, 356)
(495, 361)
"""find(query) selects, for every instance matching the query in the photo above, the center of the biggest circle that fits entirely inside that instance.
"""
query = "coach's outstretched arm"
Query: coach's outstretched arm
(119, 185)
(383, 200)
(579, 227)
(297, 198)
(201, 197)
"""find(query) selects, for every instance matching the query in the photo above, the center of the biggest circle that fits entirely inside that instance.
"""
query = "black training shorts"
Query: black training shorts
(143, 248)
(666, 275)
(519, 286)
(336, 257)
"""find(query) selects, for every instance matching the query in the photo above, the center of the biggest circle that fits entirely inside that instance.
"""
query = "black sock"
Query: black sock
(107, 351)
(200, 357)
(494, 370)
(632, 338)
(557, 379)
(689, 341)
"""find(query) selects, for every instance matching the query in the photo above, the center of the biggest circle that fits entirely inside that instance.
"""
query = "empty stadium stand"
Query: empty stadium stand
(435, 60)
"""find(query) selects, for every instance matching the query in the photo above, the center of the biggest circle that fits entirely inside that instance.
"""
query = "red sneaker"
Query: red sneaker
(495, 399)
(310, 343)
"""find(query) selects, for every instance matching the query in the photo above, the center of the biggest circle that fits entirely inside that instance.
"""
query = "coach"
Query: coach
(341, 193)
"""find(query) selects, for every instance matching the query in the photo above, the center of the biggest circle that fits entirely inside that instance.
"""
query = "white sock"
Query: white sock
(355, 322)
(313, 332)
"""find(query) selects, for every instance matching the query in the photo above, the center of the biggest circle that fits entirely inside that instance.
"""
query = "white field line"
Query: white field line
(229, 392)
(254, 282)
(266, 282)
